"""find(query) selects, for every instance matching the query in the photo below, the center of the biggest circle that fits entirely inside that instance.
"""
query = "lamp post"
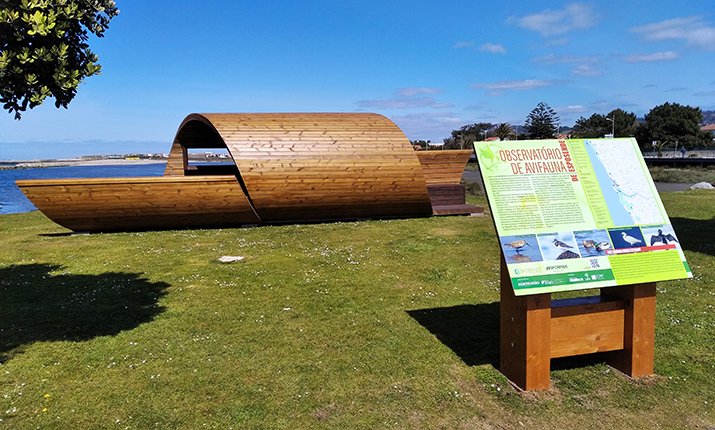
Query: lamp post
(613, 126)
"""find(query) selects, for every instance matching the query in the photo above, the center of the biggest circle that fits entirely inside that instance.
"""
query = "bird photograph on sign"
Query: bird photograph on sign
(558, 246)
(592, 243)
(631, 237)
(660, 235)
(521, 248)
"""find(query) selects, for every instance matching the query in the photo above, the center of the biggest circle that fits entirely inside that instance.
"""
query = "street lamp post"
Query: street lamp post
(613, 126)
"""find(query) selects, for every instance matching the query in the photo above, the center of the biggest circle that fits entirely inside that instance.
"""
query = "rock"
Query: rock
(230, 259)
(702, 186)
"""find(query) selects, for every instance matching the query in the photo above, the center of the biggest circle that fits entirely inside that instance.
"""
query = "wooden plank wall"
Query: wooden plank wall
(319, 166)
(165, 202)
(444, 167)
(178, 161)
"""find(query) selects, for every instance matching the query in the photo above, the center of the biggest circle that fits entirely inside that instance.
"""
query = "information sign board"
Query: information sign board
(578, 213)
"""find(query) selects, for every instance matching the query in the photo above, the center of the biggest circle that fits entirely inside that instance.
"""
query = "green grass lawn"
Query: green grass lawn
(376, 324)
(689, 175)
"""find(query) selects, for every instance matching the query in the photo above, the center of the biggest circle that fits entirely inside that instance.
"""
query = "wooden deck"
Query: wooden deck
(443, 171)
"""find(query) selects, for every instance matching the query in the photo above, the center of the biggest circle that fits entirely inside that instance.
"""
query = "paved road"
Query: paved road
(661, 186)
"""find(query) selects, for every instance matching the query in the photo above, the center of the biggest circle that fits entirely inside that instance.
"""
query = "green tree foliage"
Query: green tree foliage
(43, 49)
(626, 123)
(592, 127)
(504, 131)
(671, 124)
(542, 122)
(467, 134)
(598, 125)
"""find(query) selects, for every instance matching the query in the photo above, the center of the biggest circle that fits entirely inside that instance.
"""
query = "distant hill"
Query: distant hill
(708, 117)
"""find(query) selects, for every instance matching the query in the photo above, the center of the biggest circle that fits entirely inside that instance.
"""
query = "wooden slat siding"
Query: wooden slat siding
(177, 163)
(300, 167)
(586, 325)
(444, 167)
(165, 202)
(446, 194)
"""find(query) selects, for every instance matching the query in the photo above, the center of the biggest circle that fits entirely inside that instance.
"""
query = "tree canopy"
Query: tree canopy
(504, 131)
(592, 127)
(542, 122)
(43, 49)
(624, 125)
(467, 134)
(670, 124)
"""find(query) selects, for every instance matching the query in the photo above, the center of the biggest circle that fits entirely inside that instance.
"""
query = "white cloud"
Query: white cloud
(497, 88)
(428, 126)
(559, 42)
(572, 109)
(645, 58)
(589, 66)
(549, 59)
(494, 49)
(693, 30)
(465, 44)
(586, 71)
(403, 103)
(406, 99)
(409, 92)
(604, 106)
(575, 16)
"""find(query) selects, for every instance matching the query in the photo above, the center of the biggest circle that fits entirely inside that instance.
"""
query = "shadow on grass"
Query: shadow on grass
(38, 306)
(695, 235)
(471, 331)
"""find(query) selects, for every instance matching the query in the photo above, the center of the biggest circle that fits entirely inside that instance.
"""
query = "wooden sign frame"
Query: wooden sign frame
(534, 329)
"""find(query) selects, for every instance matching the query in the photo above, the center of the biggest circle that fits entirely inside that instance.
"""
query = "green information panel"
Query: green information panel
(575, 214)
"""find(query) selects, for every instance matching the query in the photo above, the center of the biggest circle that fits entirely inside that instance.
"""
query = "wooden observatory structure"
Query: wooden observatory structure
(284, 168)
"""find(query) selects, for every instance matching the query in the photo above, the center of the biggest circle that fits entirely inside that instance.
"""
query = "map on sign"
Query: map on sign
(576, 214)
(623, 183)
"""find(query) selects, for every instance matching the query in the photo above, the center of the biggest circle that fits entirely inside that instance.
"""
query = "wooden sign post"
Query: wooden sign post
(572, 215)
(534, 329)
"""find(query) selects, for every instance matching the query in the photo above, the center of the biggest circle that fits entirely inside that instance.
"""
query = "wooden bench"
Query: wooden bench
(141, 203)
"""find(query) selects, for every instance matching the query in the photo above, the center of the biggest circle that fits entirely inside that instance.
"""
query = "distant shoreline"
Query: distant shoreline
(12, 165)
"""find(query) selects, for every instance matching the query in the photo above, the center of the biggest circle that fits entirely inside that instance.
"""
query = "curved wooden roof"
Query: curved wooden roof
(299, 167)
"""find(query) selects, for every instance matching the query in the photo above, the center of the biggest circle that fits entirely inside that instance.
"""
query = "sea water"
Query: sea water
(12, 200)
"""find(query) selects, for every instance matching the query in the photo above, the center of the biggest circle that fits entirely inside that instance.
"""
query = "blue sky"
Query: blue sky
(429, 66)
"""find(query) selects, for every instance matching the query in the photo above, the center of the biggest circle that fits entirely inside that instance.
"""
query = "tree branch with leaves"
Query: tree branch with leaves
(44, 51)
